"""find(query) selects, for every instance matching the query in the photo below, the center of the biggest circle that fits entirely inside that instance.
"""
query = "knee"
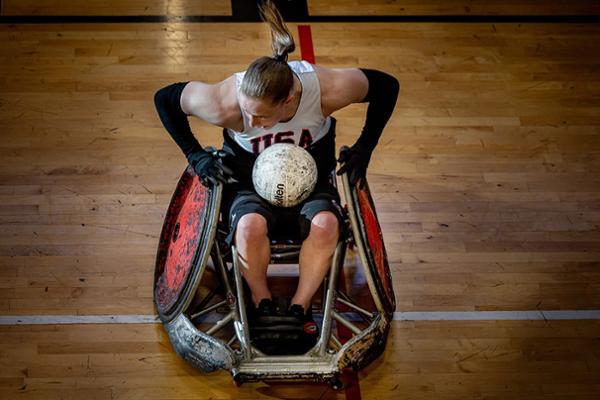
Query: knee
(251, 228)
(325, 227)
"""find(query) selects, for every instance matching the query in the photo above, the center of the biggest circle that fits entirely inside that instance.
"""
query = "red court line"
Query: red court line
(306, 44)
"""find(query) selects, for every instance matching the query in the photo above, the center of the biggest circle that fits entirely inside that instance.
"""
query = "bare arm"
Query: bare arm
(175, 102)
(213, 103)
(341, 87)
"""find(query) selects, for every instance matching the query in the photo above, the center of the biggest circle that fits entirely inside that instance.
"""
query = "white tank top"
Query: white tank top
(306, 127)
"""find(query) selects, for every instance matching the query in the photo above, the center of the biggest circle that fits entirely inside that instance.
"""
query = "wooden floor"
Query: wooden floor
(424, 360)
(486, 182)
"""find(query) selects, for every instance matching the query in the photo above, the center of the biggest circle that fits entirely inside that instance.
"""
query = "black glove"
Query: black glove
(355, 160)
(208, 167)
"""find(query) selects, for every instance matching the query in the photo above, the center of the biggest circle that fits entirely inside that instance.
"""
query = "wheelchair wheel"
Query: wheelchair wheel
(185, 243)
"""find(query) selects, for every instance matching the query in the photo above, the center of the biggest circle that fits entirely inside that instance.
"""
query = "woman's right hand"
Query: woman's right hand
(209, 167)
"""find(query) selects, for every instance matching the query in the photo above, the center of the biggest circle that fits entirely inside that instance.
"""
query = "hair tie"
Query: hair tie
(281, 57)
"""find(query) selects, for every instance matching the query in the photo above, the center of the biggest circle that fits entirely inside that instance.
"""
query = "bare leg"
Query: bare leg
(254, 253)
(315, 256)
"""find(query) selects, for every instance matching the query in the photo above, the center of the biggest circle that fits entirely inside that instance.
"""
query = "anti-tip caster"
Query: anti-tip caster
(336, 383)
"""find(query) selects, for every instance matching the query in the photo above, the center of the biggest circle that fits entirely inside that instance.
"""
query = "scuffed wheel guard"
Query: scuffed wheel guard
(200, 350)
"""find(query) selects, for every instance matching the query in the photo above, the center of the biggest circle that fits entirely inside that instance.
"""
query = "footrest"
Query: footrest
(281, 333)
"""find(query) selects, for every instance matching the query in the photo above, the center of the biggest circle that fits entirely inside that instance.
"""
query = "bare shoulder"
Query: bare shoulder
(341, 87)
(215, 103)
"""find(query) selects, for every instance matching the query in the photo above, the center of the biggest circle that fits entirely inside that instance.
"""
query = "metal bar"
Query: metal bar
(220, 324)
(266, 359)
(208, 309)
(280, 256)
(336, 341)
(225, 280)
(355, 329)
(232, 340)
(324, 294)
(337, 261)
(277, 369)
(241, 326)
(284, 246)
(356, 308)
(343, 295)
(206, 299)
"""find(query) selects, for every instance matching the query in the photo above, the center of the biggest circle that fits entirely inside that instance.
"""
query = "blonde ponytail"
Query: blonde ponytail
(271, 78)
(282, 41)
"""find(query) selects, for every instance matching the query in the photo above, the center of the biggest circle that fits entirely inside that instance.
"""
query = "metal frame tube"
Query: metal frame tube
(220, 324)
(208, 309)
(284, 255)
(356, 308)
(241, 325)
(338, 259)
(355, 329)
(232, 340)
(229, 295)
(336, 341)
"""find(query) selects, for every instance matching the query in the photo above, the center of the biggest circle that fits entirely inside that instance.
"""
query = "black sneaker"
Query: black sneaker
(265, 308)
(310, 330)
(259, 315)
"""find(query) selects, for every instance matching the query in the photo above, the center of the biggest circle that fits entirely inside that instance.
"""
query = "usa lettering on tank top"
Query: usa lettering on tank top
(306, 127)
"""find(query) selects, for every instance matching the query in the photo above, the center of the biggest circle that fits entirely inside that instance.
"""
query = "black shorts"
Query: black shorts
(291, 223)
(282, 222)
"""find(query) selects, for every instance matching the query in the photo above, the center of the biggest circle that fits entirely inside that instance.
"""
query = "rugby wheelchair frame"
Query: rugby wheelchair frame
(199, 292)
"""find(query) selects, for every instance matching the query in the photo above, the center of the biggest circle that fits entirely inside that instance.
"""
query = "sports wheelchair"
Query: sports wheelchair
(200, 294)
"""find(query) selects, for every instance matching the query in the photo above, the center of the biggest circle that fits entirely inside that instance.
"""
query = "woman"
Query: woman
(276, 101)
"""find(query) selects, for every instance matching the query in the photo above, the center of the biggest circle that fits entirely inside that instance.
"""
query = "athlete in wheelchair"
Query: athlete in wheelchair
(211, 286)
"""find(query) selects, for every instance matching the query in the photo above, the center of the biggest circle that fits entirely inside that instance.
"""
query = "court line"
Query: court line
(77, 319)
(497, 315)
(533, 315)
(307, 51)
(111, 19)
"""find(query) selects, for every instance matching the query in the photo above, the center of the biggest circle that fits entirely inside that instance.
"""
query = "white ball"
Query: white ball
(284, 174)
